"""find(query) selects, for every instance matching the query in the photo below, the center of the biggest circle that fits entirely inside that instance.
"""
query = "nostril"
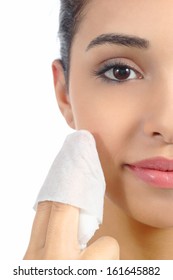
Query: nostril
(156, 134)
(166, 139)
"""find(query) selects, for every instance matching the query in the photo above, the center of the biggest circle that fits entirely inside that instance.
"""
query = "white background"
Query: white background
(32, 129)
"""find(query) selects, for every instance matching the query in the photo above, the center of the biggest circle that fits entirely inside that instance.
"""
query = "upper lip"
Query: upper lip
(157, 163)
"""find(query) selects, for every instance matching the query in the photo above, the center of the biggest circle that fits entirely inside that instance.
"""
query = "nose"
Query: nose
(158, 123)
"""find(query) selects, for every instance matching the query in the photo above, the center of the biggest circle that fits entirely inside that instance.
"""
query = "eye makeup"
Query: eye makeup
(118, 71)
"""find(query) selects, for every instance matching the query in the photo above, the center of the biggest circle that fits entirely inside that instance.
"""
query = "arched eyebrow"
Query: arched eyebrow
(119, 39)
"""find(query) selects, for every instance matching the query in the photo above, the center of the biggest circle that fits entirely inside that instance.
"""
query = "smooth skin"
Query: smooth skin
(131, 120)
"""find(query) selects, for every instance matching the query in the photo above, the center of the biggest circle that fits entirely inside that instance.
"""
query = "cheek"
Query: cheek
(112, 124)
(113, 119)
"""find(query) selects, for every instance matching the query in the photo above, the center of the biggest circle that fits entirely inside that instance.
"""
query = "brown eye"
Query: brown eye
(122, 73)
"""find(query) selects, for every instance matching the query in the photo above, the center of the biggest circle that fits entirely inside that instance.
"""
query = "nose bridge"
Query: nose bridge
(159, 108)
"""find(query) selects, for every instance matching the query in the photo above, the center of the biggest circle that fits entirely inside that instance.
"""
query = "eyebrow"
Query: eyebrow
(119, 39)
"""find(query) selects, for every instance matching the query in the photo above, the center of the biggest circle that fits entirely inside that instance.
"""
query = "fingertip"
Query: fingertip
(112, 246)
(105, 248)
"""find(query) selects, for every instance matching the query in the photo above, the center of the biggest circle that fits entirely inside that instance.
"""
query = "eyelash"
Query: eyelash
(115, 65)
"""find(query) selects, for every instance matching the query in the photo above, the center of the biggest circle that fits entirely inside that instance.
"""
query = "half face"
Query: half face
(121, 90)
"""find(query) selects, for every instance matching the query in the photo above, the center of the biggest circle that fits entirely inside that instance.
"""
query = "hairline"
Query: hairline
(79, 18)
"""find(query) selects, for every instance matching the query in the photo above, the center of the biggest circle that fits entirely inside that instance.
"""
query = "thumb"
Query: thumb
(105, 248)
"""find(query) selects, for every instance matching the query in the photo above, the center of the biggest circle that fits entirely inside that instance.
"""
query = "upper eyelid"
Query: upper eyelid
(119, 61)
(108, 67)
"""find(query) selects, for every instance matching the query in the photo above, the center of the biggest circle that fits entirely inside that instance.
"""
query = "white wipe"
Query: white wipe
(76, 178)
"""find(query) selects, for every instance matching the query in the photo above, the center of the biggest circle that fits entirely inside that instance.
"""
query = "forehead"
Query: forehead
(152, 19)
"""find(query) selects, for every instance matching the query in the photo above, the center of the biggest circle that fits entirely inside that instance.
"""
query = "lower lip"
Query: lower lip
(159, 179)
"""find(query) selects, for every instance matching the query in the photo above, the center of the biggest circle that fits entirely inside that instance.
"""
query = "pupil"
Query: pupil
(121, 73)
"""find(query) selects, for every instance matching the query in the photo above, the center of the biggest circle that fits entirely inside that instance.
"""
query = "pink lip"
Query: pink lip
(156, 171)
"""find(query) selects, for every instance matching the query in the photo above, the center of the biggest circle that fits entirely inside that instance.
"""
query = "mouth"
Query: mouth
(156, 171)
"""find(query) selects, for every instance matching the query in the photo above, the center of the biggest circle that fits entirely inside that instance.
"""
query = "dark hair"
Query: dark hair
(71, 13)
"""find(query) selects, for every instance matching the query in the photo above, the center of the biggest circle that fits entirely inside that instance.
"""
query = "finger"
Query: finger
(62, 232)
(40, 224)
(105, 248)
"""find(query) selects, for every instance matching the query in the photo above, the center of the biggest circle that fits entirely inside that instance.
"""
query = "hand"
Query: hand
(76, 178)
(55, 236)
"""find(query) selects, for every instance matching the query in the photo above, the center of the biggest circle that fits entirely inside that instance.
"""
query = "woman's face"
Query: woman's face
(121, 89)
